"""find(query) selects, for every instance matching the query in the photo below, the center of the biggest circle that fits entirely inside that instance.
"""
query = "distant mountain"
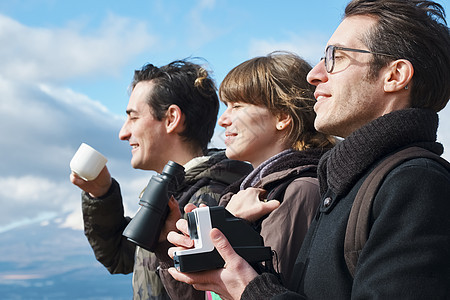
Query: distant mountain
(48, 262)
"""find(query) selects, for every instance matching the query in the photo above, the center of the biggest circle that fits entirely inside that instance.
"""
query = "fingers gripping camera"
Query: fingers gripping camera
(199, 225)
(243, 238)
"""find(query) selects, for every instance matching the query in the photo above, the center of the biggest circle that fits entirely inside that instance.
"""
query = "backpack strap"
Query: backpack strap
(357, 230)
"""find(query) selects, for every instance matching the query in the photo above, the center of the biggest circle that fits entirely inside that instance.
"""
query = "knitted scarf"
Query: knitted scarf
(284, 160)
(340, 168)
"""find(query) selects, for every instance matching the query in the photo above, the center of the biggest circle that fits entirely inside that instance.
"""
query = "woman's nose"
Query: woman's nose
(224, 119)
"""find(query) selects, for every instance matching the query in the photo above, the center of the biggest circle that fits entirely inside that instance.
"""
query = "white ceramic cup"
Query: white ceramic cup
(87, 162)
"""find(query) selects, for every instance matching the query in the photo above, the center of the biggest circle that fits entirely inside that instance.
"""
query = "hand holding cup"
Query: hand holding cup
(87, 162)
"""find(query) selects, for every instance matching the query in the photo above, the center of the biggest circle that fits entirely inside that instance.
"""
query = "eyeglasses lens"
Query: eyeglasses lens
(329, 59)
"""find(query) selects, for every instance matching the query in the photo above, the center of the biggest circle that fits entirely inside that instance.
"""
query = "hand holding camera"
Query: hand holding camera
(244, 239)
(228, 282)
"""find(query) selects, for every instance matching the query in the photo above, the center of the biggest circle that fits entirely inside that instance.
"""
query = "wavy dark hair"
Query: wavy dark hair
(414, 30)
(189, 86)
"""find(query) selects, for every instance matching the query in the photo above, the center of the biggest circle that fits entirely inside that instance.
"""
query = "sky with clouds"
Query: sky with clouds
(65, 67)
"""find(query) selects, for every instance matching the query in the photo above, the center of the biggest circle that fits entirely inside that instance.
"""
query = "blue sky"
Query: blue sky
(65, 67)
(129, 34)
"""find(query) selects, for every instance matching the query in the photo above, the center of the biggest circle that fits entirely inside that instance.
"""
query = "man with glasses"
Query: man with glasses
(384, 77)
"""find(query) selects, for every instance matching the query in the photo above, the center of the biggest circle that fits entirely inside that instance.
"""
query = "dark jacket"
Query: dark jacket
(104, 222)
(407, 252)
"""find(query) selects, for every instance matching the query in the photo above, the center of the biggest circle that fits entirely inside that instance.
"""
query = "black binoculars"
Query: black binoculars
(145, 228)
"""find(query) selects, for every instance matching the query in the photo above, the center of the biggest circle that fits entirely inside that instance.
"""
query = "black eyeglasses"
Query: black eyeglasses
(330, 53)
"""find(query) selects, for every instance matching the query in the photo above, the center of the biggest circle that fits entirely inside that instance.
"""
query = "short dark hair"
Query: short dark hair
(189, 86)
(414, 30)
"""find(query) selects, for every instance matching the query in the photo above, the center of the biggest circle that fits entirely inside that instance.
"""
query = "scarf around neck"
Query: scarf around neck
(284, 160)
(341, 167)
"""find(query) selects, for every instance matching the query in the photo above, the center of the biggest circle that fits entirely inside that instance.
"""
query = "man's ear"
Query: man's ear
(283, 121)
(174, 119)
(398, 75)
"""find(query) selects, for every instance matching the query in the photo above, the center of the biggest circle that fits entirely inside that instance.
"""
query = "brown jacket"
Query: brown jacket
(284, 229)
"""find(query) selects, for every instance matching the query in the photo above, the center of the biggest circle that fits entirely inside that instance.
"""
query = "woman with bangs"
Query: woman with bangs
(269, 122)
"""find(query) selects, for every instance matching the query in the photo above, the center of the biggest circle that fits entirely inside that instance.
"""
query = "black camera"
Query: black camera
(145, 228)
(245, 240)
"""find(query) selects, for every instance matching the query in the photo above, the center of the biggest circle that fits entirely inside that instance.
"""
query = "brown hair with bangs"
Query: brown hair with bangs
(277, 81)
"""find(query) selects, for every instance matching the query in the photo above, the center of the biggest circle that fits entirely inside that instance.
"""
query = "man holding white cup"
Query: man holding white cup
(172, 113)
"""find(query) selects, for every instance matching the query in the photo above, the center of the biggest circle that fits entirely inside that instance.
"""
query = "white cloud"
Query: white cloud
(45, 122)
(83, 103)
(207, 4)
(57, 54)
(202, 31)
(130, 188)
(29, 189)
(34, 200)
(74, 220)
(31, 199)
(307, 46)
(45, 125)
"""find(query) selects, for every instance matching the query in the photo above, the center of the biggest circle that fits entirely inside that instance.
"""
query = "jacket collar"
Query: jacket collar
(216, 166)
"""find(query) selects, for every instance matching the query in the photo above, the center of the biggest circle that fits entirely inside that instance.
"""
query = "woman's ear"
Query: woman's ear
(398, 75)
(283, 121)
(174, 119)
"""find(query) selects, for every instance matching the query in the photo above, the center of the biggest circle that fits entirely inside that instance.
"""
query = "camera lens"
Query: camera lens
(192, 226)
